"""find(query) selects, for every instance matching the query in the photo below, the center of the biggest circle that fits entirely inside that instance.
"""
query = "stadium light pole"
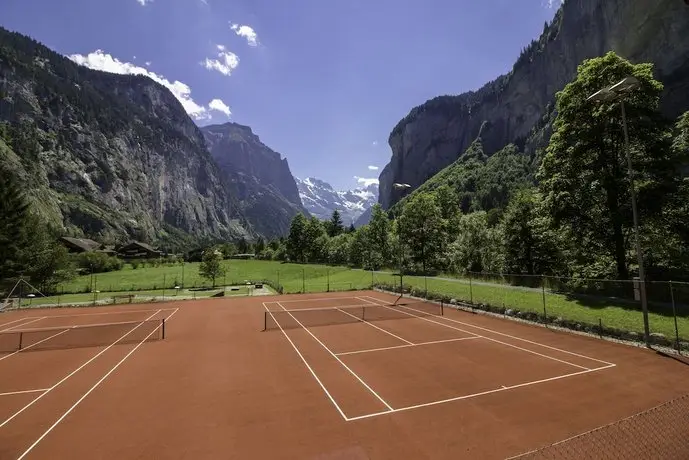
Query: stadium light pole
(403, 188)
(614, 93)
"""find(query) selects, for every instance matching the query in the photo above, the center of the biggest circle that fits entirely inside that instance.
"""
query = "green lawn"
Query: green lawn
(611, 312)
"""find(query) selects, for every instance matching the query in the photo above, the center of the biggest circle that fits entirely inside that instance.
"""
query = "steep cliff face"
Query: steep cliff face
(261, 178)
(434, 134)
(113, 156)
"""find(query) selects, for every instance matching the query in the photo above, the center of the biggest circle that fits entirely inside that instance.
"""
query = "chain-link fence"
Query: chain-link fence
(610, 308)
(658, 433)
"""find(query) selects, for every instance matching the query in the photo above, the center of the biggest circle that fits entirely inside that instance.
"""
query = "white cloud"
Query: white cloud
(373, 168)
(148, 63)
(554, 3)
(375, 142)
(143, 2)
(220, 106)
(247, 32)
(100, 60)
(227, 61)
(365, 181)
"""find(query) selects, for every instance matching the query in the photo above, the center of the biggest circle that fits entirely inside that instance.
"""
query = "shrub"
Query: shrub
(98, 262)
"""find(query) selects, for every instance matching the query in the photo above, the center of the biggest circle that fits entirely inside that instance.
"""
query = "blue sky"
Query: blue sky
(322, 82)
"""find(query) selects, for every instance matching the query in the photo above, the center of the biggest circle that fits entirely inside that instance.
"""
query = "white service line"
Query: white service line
(74, 372)
(23, 324)
(82, 326)
(369, 350)
(339, 360)
(33, 344)
(332, 400)
(495, 340)
(67, 412)
(14, 321)
(10, 393)
(527, 341)
(458, 398)
(310, 300)
(368, 304)
(122, 312)
(373, 325)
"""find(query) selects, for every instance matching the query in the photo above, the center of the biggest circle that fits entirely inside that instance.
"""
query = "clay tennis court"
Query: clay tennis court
(319, 376)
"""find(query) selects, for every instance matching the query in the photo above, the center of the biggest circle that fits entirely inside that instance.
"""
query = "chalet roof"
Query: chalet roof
(137, 244)
(83, 243)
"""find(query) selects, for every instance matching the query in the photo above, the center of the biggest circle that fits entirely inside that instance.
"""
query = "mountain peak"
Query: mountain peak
(320, 199)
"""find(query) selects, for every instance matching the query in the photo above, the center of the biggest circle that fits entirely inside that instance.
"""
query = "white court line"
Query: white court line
(322, 307)
(529, 341)
(123, 312)
(311, 300)
(332, 400)
(67, 412)
(72, 373)
(15, 320)
(80, 326)
(33, 344)
(458, 398)
(339, 360)
(369, 350)
(487, 338)
(23, 324)
(10, 393)
(373, 325)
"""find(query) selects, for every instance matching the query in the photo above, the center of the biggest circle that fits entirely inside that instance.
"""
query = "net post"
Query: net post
(442, 307)
(21, 337)
(163, 328)
(363, 313)
(265, 321)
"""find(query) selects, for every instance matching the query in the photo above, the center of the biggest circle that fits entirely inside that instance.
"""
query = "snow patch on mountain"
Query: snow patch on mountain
(320, 199)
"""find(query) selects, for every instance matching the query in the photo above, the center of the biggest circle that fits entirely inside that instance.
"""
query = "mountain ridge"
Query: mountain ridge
(510, 108)
(321, 199)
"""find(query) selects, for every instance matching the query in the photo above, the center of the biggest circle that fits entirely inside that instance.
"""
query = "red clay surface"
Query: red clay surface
(456, 386)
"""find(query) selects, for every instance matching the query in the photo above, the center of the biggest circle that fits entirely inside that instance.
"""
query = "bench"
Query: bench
(123, 296)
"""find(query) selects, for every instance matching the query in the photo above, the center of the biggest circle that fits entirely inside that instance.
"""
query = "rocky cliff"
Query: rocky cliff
(110, 156)
(260, 177)
(504, 111)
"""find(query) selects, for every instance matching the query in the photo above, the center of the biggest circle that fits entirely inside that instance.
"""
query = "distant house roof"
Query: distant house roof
(83, 244)
(137, 246)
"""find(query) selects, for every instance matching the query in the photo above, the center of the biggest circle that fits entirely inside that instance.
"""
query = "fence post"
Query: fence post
(471, 291)
(674, 315)
(303, 280)
(373, 282)
(164, 276)
(327, 274)
(278, 286)
(59, 294)
(95, 283)
(545, 313)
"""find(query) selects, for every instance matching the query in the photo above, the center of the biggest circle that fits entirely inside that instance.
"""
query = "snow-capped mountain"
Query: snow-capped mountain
(320, 199)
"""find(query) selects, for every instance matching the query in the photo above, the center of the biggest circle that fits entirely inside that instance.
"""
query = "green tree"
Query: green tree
(359, 249)
(15, 225)
(211, 267)
(260, 245)
(379, 229)
(338, 249)
(351, 228)
(316, 240)
(478, 248)
(421, 229)
(48, 262)
(334, 226)
(583, 176)
(297, 239)
(530, 246)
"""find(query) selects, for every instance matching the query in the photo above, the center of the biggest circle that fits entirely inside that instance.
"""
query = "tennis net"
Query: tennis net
(291, 319)
(89, 335)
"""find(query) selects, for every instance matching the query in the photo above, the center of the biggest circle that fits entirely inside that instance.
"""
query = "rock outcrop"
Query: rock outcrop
(504, 111)
(112, 156)
(259, 176)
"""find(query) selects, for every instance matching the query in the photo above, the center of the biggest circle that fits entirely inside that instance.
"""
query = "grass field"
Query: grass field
(610, 312)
